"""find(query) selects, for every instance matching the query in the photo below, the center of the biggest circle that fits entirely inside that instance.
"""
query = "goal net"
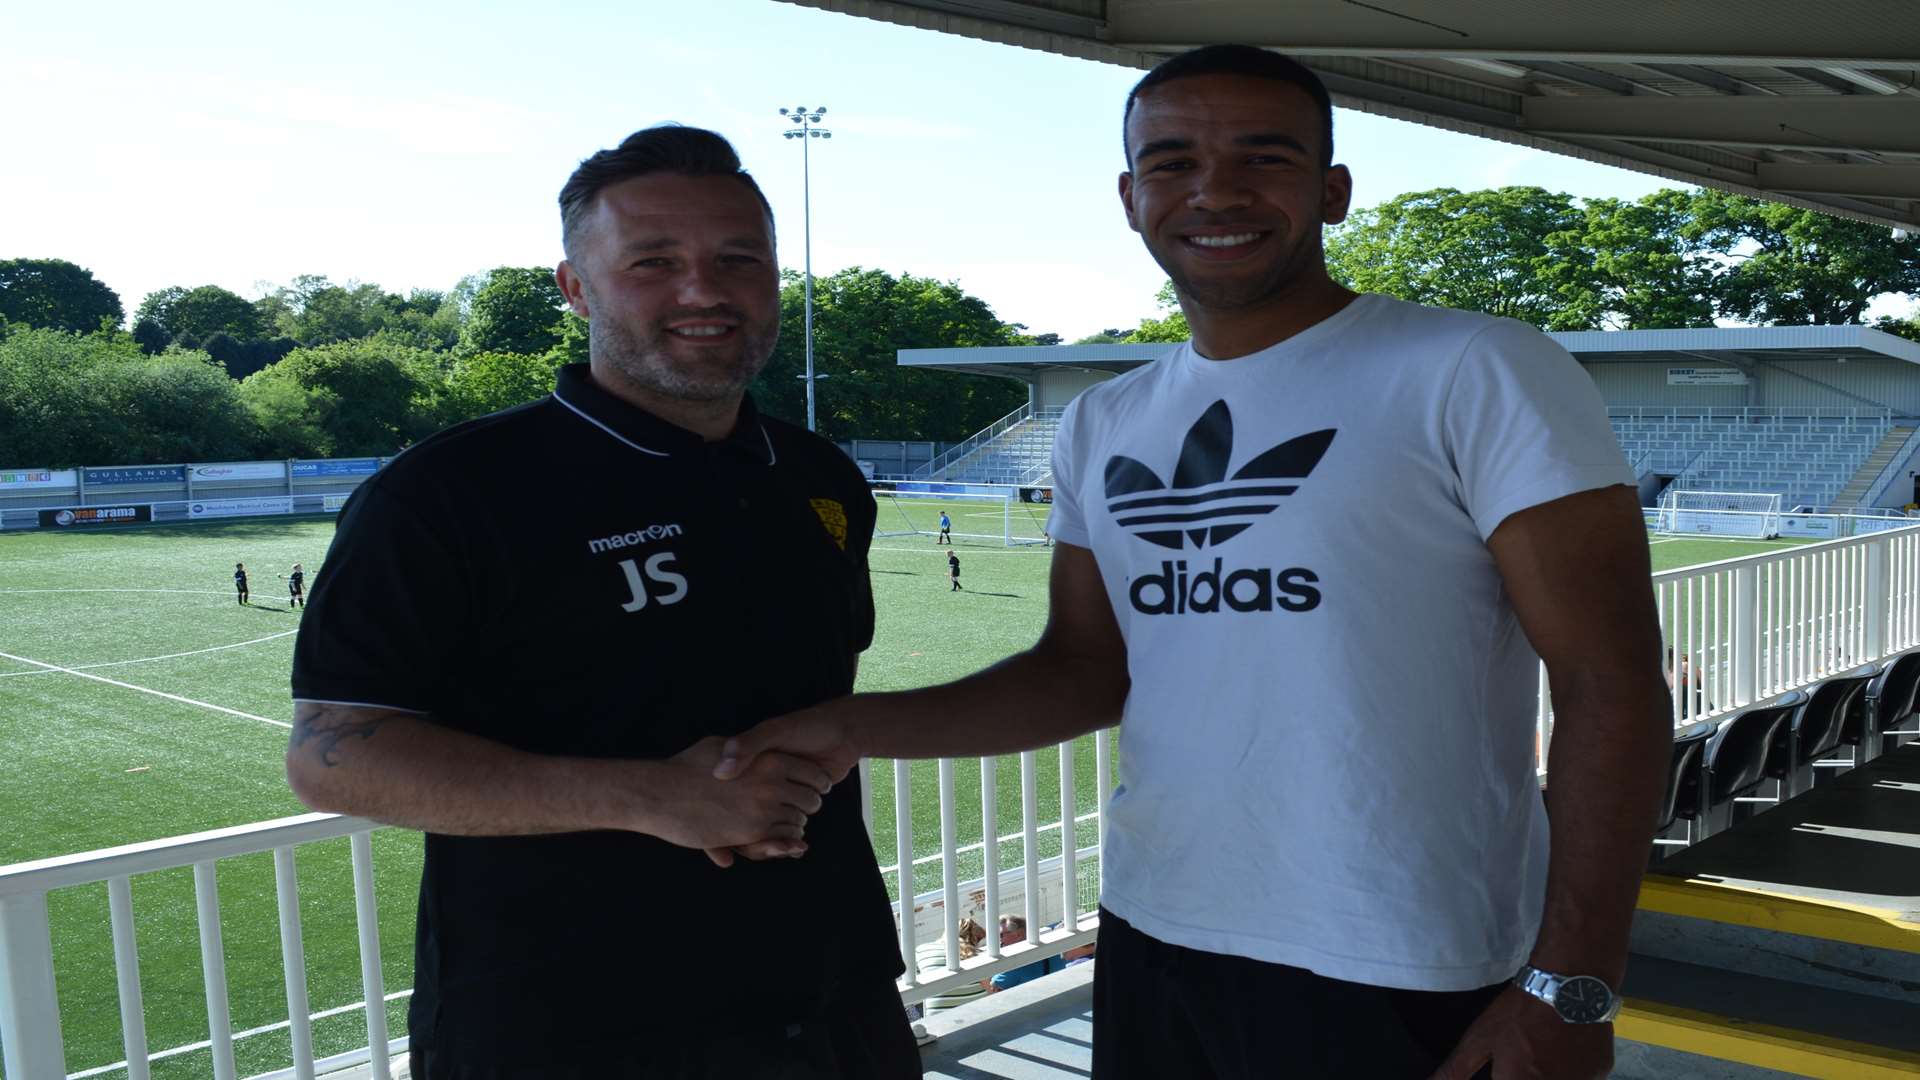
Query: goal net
(1719, 513)
(976, 518)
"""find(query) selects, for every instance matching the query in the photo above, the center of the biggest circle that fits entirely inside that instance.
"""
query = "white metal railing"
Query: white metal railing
(1745, 630)
(974, 442)
(30, 1030)
(1049, 891)
(1659, 413)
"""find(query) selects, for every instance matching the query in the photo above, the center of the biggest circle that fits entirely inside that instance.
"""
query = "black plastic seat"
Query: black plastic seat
(1816, 730)
(1734, 760)
(1685, 773)
(1893, 695)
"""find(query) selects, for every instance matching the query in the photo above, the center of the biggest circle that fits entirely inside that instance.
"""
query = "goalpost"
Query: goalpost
(1719, 513)
(998, 517)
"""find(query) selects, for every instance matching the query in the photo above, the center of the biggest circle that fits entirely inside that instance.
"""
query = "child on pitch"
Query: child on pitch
(946, 530)
(296, 580)
(953, 570)
(240, 580)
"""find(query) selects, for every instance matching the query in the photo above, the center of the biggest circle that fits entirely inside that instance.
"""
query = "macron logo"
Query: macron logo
(1203, 504)
(632, 539)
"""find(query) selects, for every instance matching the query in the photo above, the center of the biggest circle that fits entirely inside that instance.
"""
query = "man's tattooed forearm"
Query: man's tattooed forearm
(320, 732)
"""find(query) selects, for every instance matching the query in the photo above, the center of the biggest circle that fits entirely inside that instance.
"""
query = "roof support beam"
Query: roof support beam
(1859, 181)
(1599, 80)
(1859, 124)
(1712, 80)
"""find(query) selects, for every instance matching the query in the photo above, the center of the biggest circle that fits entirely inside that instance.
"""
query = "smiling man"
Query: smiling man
(533, 633)
(1312, 558)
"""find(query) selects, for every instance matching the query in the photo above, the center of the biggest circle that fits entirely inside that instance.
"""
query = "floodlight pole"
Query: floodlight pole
(807, 119)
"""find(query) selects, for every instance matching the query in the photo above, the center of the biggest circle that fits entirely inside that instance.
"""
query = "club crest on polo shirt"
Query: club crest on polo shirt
(833, 515)
(1203, 506)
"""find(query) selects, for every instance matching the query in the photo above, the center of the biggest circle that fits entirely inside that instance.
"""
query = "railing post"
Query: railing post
(29, 1003)
(1878, 595)
(1746, 635)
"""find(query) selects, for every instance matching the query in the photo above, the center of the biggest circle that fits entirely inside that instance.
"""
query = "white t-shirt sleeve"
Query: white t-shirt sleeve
(1525, 425)
(1067, 523)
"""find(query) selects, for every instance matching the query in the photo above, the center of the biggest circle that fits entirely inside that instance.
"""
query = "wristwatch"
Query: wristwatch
(1579, 999)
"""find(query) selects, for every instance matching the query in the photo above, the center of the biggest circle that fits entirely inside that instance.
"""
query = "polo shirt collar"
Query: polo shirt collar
(639, 429)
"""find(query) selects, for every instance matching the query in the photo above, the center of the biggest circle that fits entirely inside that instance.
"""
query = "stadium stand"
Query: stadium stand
(1016, 450)
(1810, 459)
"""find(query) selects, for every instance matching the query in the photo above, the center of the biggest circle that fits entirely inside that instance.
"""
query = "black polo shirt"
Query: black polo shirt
(578, 577)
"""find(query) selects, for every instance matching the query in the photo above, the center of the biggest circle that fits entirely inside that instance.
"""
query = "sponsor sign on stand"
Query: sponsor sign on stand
(332, 503)
(1822, 526)
(242, 470)
(144, 474)
(1688, 376)
(17, 479)
(95, 515)
(927, 487)
(1036, 495)
(240, 507)
(339, 467)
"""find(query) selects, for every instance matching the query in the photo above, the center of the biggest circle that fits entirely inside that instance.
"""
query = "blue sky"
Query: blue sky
(240, 144)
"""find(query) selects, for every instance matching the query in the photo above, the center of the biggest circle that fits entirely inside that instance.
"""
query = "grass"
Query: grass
(93, 765)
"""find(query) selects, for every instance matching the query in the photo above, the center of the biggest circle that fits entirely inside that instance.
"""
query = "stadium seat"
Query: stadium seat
(1815, 730)
(1892, 698)
(1684, 776)
(1734, 759)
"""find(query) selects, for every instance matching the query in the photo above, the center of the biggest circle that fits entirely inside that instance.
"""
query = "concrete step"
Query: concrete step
(1689, 1020)
(1789, 943)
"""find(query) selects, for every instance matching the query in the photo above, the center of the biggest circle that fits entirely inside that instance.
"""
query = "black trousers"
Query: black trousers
(1163, 1010)
(862, 1036)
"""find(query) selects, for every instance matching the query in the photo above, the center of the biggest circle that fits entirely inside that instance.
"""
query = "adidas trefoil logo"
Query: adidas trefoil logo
(1203, 504)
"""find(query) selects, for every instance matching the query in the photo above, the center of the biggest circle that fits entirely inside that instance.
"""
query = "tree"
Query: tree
(152, 338)
(861, 317)
(1785, 265)
(1171, 327)
(346, 399)
(482, 383)
(1109, 336)
(1908, 327)
(57, 295)
(242, 358)
(1631, 266)
(1476, 251)
(192, 316)
(95, 399)
(516, 310)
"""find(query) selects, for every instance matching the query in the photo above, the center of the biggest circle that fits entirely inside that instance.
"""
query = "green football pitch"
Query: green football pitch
(138, 701)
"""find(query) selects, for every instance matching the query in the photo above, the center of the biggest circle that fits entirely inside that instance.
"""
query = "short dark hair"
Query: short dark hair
(1237, 60)
(663, 148)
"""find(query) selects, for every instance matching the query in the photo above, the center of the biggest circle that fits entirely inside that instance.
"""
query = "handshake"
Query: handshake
(750, 796)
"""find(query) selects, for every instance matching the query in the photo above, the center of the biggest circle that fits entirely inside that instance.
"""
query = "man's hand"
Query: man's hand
(762, 815)
(1525, 1039)
(811, 733)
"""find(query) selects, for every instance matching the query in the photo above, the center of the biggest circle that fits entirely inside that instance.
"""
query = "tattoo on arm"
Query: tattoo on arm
(319, 730)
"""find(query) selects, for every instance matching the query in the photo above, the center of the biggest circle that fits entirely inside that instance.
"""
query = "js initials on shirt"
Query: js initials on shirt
(656, 570)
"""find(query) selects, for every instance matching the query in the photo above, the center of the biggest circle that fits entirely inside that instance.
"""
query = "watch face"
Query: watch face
(1583, 999)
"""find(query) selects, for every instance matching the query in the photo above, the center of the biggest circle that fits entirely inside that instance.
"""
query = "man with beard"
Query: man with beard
(533, 634)
(1330, 856)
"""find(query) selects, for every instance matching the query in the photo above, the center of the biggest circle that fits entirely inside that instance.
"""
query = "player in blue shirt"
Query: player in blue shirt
(946, 530)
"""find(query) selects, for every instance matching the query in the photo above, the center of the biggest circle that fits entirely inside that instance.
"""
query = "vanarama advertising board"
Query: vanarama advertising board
(95, 515)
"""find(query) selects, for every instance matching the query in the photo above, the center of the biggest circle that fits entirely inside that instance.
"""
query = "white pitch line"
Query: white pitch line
(144, 690)
(151, 659)
(1029, 549)
(184, 592)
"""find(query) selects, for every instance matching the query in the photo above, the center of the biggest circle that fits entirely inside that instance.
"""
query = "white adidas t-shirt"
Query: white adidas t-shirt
(1327, 754)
